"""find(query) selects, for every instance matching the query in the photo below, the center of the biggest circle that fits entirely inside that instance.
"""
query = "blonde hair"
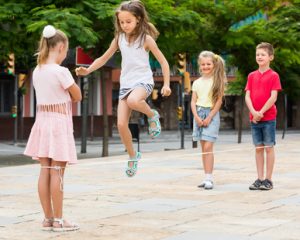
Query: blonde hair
(266, 46)
(144, 27)
(46, 43)
(219, 74)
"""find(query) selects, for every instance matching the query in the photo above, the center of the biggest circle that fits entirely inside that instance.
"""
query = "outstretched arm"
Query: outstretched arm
(99, 62)
(151, 45)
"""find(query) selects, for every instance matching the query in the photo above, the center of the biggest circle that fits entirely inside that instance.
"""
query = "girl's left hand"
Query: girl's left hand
(206, 121)
(166, 91)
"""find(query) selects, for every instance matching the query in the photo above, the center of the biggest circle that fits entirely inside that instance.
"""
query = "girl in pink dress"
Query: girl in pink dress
(51, 140)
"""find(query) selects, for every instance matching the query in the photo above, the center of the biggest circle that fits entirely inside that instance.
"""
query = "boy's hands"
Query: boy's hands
(165, 91)
(81, 71)
(257, 116)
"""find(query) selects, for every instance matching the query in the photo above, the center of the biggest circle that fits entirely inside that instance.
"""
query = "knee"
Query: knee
(57, 171)
(53, 173)
(259, 149)
(122, 125)
(269, 150)
(207, 149)
(132, 102)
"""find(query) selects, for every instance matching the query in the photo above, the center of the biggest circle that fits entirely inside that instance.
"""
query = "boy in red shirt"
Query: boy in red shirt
(261, 94)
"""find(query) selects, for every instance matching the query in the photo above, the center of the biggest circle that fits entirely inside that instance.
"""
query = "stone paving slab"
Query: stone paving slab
(196, 235)
(162, 202)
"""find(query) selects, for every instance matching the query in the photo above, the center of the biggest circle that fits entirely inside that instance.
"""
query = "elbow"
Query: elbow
(193, 103)
(77, 98)
(164, 64)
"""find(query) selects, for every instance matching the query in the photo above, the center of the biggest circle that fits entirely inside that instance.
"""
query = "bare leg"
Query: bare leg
(207, 157)
(136, 101)
(44, 188)
(57, 195)
(270, 162)
(123, 119)
(55, 187)
(259, 156)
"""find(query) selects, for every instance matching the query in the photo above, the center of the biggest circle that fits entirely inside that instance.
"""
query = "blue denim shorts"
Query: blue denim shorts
(209, 133)
(263, 133)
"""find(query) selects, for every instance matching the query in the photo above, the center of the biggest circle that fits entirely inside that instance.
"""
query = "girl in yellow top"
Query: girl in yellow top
(206, 101)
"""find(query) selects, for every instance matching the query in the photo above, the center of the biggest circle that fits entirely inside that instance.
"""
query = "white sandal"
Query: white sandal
(48, 221)
(63, 228)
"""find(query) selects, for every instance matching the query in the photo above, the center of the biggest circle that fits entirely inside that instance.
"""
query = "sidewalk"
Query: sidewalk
(162, 201)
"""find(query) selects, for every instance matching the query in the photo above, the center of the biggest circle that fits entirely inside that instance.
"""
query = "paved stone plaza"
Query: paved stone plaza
(163, 201)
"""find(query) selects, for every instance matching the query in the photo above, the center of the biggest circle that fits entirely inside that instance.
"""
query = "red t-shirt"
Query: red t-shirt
(260, 86)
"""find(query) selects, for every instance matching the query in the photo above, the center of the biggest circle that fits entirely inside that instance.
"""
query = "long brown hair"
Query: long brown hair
(219, 74)
(144, 27)
(47, 43)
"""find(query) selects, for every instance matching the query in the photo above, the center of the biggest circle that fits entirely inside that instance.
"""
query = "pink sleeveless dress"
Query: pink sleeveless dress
(52, 133)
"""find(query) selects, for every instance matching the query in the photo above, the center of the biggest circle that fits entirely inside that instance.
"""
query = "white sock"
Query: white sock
(208, 176)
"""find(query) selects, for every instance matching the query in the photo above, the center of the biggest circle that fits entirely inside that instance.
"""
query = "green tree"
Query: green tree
(284, 28)
(234, 28)
(22, 23)
(230, 28)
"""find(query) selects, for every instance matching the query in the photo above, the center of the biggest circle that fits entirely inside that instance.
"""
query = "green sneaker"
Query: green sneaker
(154, 131)
(133, 164)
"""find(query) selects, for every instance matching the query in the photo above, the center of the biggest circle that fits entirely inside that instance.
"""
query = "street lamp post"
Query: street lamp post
(85, 89)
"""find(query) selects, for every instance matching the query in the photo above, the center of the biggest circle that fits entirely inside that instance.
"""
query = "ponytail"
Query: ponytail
(219, 78)
(43, 51)
(50, 37)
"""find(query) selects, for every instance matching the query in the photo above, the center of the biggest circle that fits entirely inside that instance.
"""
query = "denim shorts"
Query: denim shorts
(263, 133)
(209, 133)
